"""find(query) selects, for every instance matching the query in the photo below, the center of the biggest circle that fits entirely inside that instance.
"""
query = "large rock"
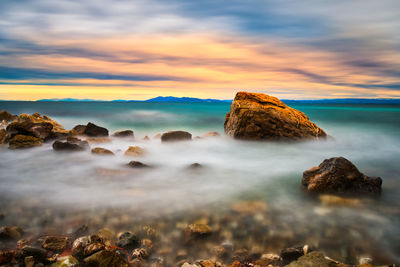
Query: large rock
(4, 137)
(102, 151)
(24, 141)
(134, 151)
(338, 175)
(92, 129)
(176, 136)
(313, 259)
(124, 133)
(255, 116)
(106, 258)
(5, 116)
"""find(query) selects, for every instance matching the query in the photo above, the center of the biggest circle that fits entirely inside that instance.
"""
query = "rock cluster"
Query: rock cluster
(255, 116)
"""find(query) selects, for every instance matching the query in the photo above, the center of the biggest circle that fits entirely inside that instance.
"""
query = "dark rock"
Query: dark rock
(291, 254)
(194, 166)
(4, 137)
(338, 175)
(6, 257)
(313, 259)
(56, 243)
(40, 130)
(5, 116)
(137, 164)
(128, 241)
(39, 254)
(176, 136)
(94, 130)
(24, 141)
(101, 151)
(10, 233)
(242, 255)
(106, 258)
(125, 133)
(256, 116)
(197, 230)
(68, 146)
(81, 231)
(93, 248)
(78, 130)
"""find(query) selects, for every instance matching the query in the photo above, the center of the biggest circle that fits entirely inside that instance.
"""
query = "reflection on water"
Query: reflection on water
(43, 190)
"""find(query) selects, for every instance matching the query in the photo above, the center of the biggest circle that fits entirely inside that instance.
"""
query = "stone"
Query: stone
(4, 137)
(98, 140)
(173, 136)
(312, 259)
(40, 130)
(269, 259)
(5, 116)
(56, 244)
(24, 141)
(242, 255)
(39, 254)
(78, 130)
(137, 164)
(211, 134)
(128, 241)
(249, 207)
(106, 235)
(187, 264)
(10, 233)
(57, 130)
(134, 151)
(140, 253)
(106, 258)
(255, 116)
(92, 129)
(102, 151)
(69, 146)
(339, 175)
(338, 201)
(207, 263)
(197, 230)
(66, 261)
(293, 253)
(124, 133)
(29, 261)
(93, 247)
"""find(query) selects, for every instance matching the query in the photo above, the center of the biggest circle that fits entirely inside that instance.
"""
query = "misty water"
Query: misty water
(41, 189)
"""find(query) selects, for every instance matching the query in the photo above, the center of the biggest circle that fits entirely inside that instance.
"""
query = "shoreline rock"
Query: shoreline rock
(173, 136)
(255, 116)
(339, 175)
(93, 130)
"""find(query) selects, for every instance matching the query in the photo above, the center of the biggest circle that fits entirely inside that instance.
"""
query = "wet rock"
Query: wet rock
(4, 137)
(98, 140)
(137, 164)
(207, 263)
(56, 243)
(293, 253)
(140, 253)
(176, 136)
(106, 258)
(134, 151)
(29, 261)
(338, 175)
(365, 261)
(81, 231)
(24, 141)
(78, 130)
(101, 151)
(242, 255)
(39, 254)
(40, 130)
(93, 248)
(67, 261)
(124, 133)
(92, 129)
(79, 245)
(249, 207)
(69, 146)
(197, 230)
(312, 259)
(255, 116)
(211, 134)
(10, 233)
(106, 235)
(128, 241)
(338, 201)
(5, 116)
(269, 259)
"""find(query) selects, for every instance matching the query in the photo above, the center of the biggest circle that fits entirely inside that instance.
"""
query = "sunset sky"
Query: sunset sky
(125, 49)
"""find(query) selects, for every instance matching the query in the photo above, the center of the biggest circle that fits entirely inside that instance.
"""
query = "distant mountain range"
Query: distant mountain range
(200, 100)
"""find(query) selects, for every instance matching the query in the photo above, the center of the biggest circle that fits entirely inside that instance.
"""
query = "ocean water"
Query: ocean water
(35, 182)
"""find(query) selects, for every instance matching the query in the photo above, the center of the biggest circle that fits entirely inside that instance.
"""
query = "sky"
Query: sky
(127, 49)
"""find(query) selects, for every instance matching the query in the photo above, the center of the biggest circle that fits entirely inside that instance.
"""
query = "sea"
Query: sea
(37, 183)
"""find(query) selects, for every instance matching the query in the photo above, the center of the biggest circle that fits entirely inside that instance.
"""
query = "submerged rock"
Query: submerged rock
(255, 116)
(197, 230)
(24, 141)
(56, 243)
(124, 133)
(172, 136)
(128, 241)
(313, 259)
(101, 151)
(134, 151)
(338, 201)
(10, 233)
(70, 146)
(291, 254)
(211, 134)
(92, 129)
(106, 258)
(339, 175)
(137, 164)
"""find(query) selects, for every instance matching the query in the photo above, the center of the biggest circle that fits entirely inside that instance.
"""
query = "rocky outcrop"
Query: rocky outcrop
(6, 116)
(4, 137)
(176, 136)
(339, 175)
(78, 130)
(92, 129)
(102, 151)
(255, 116)
(124, 133)
(24, 141)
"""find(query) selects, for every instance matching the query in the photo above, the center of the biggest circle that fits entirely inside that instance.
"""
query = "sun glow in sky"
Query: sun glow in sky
(107, 49)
